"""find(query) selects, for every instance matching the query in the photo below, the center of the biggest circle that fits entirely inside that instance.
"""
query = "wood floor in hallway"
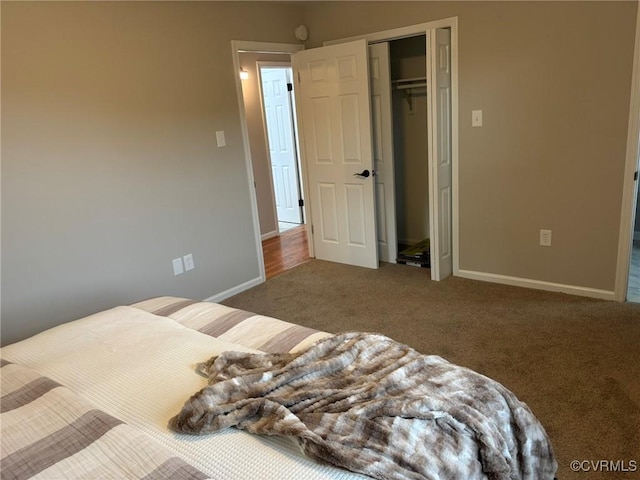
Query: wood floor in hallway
(285, 251)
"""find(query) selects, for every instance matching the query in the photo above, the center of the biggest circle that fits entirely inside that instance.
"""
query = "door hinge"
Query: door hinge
(635, 176)
(301, 203)
(289, 87)
(298, 77)
(311, 229)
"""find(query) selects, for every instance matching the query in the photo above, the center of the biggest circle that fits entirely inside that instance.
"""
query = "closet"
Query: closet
(407, 59)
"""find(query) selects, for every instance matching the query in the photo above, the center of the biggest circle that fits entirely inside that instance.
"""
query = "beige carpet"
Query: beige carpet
(575, 361)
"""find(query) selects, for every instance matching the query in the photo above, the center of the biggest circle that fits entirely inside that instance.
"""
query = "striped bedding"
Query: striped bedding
(92, 398)
(250, 330)
(50, 432)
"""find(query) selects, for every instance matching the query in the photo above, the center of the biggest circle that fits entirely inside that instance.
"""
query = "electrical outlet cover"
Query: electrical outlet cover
(545, 238)
(188, 262)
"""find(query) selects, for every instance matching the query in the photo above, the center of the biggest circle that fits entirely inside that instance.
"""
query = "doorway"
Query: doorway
(408, 59)
(246, 55)
(444, 141)
(271, 198)
(440, 63)
(278, 113)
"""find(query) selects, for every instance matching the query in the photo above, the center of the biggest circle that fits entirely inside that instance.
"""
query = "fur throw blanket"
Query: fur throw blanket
(372, 405)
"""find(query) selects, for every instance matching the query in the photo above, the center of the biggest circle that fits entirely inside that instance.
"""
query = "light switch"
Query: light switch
(220, 138)
(476, 118)
(177, 266)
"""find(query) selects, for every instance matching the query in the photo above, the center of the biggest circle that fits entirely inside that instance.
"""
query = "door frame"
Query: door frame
(237, 47)
(298, 168)
(425, 29)
(629, 189)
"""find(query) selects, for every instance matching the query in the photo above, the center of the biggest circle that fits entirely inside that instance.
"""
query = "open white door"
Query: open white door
(383, 151)
(333, 100)
(279, 125)
(440, 188)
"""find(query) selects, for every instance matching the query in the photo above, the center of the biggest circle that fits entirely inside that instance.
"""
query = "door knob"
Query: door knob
(365, 174)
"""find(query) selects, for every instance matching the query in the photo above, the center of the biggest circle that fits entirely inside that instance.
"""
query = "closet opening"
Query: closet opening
(408, 69)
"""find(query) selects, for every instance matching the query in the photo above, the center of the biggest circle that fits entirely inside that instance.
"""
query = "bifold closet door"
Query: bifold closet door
(382, 131)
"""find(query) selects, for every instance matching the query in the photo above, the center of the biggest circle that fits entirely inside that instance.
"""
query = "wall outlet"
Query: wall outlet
(188, 262)
(177, 266)
(545, 238)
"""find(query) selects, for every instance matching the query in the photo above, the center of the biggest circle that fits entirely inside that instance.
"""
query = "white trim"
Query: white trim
(235, 47)
(455, 205)
(629, 189)
(238, 46)
(271, 234)
(402, 32)
(234, 290)
(537, 284)
(266, 47)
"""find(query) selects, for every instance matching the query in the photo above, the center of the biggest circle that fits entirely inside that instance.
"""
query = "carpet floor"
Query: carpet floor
(574, 360)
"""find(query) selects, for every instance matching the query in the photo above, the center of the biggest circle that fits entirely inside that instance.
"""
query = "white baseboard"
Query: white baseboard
(537, 284)
(269, 235)
(234, 290)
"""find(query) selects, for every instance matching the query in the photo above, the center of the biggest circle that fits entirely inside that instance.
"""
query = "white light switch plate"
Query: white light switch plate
(177, 266)
(220, 138)
(476, 118)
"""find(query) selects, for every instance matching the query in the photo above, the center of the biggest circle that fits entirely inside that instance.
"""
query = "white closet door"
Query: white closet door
(440, 190)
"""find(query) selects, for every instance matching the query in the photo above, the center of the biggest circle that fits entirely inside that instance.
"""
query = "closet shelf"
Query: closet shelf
(409, 83)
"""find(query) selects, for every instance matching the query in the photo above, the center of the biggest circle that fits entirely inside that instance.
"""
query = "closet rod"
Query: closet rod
(411, 85)
(408, 83)
(409, 80)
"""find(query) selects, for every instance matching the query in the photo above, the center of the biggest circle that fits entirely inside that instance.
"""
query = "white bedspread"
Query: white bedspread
(139, 367)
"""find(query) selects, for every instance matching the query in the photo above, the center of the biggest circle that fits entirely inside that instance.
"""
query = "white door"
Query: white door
(279, 125)
(440, 189)
(333, 100)
(383, 151)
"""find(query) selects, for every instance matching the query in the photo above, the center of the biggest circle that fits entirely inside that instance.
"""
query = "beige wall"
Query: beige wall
(553, 80)
(110, 167)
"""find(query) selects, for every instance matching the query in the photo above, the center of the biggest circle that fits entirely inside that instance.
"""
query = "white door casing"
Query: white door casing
(382, 132)
(440, 188)
(333, 101)
(280, 140)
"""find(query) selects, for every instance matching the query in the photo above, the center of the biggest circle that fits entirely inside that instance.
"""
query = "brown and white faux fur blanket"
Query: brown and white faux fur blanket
(372, 405)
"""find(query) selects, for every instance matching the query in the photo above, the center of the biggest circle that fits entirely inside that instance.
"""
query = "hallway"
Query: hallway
(285, 251)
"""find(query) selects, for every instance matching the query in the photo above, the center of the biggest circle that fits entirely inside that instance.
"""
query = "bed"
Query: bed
(101, 397)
